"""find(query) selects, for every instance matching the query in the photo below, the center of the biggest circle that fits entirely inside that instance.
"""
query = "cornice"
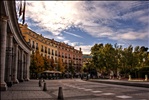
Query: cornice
(13, 24)
(61, 44)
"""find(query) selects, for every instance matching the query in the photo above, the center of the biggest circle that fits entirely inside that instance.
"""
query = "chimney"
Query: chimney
(80, 49)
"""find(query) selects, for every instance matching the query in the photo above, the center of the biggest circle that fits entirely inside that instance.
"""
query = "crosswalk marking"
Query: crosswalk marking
(124, 96)
(87, 89)
(80, 88)
(107, 94)
(96, 91)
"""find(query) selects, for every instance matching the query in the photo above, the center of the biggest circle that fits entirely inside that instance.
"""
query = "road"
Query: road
(75, 89)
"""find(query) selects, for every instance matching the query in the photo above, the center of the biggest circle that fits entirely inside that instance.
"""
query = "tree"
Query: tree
(98, 57)
(127, 59)
(47, 63)
(53, 65)
(71, 68)
(61, 66)
(107, 58)
(37, 63)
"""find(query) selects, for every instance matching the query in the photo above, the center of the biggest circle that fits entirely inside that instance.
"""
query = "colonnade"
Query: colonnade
(14, 60)
(14, 51)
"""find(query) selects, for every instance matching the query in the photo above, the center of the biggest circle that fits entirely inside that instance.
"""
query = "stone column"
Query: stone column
(21, 67)
(28, 65)
(15, 80)
(3, 35)
(25, 68)
(9, 61)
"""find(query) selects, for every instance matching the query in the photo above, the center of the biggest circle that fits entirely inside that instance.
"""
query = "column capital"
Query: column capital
(3, 18)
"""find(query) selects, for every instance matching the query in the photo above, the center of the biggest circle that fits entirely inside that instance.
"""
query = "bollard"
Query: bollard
(44, 87)
(87, 78)
(146, 78)
(119, 77)
(40, 85)
(129, 77)
(60, 94)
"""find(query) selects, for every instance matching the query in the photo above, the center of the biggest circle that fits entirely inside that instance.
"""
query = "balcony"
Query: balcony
(37, 48)
(41, 50)
(45, 51)
(52, 53)
(33, 46)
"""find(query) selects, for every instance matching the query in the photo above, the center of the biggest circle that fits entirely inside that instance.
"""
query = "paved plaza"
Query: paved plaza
(74, 89)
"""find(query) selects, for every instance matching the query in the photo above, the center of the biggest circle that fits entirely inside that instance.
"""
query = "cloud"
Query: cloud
(60, 37)
(144, 19)
(85, 48)
(73, 34)
(96, 18)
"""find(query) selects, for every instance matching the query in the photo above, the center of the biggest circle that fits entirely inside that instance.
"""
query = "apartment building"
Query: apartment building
(53, 49)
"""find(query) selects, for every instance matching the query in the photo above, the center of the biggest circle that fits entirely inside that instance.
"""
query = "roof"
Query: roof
(87, 56)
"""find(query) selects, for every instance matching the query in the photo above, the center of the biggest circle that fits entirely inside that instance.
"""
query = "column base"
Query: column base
(21, 80)
(3, 87)
(15, 81)
(27, 79)
(9, 84)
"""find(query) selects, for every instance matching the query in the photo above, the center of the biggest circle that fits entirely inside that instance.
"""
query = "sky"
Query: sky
(85, 23)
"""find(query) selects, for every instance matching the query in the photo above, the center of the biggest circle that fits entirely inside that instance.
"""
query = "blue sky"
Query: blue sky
(84, 23)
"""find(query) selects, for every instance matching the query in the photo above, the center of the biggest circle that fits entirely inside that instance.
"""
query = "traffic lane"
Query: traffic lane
(78, 89)
(120, 91)
(69, 93)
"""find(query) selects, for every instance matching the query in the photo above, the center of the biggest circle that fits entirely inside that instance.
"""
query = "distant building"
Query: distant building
(86, 58)
(53, 49)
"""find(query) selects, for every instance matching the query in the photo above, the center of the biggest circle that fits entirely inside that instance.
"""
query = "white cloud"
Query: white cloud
(73, 34)
(144, 19)
(130, 35)
(85, 48)
(93, 17)
(60, 37)
(53, 16)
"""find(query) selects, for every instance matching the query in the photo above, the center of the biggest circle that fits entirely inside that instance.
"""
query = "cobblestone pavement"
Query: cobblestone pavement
(74, 89)
(25, 91)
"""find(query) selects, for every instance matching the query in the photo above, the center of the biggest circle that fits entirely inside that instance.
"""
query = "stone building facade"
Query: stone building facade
(53, 49)
(14, 51)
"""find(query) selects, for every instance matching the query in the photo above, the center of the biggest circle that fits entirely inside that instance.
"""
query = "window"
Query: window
(55, 53)
(41, 48)
(33, 46)
(48, 50)
(37, 46)
(45, 49)
(52, 52)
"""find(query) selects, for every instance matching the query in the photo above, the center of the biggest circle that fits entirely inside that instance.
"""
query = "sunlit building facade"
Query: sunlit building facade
(53, 49)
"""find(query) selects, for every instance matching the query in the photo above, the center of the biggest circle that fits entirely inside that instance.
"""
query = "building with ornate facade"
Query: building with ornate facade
(14, 51)
(53, 49)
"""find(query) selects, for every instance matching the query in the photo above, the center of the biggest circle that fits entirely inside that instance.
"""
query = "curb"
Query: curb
(136, 84)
